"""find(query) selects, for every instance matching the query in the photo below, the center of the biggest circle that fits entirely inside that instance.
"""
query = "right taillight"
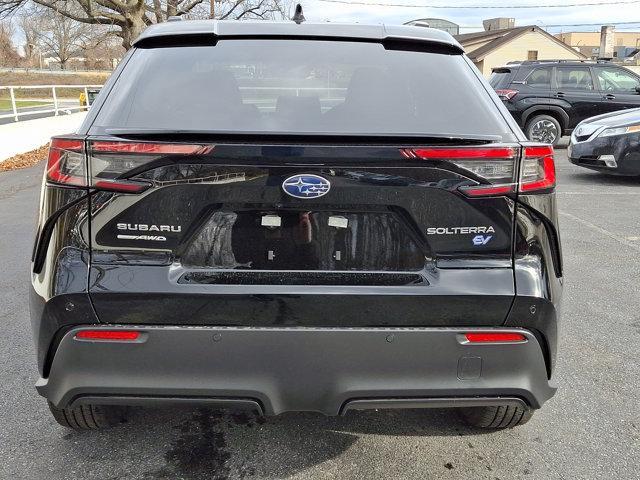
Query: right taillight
(538, 171)
(493, 168)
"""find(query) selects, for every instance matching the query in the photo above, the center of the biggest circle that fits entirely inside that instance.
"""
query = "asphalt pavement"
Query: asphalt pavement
(589, 430)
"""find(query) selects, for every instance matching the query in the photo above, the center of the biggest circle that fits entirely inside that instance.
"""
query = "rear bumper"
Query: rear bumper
(329, 370)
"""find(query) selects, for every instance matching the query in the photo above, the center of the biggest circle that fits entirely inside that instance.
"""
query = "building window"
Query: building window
(532, 55)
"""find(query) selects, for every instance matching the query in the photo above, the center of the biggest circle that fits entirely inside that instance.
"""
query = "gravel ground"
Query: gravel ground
(589, 430)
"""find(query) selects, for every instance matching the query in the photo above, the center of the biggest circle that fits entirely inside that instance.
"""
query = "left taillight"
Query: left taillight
(112, 162)
(107, 165)
(66, 164)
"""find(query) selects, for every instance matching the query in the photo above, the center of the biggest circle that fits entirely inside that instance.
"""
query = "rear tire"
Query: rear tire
(543, 128)
(506, 416)
(89, 417)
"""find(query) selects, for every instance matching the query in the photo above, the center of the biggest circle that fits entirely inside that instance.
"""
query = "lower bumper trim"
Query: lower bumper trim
(446, 402)
(146, 401)
(276, 370)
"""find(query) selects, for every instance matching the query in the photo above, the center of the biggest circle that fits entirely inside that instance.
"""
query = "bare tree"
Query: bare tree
(105, 54)
(8, 54)
(29, 24)
(63, 37)
(131, 17)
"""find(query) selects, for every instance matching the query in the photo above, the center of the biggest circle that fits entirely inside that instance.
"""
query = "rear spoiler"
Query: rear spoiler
(210, 32)
(389, 43)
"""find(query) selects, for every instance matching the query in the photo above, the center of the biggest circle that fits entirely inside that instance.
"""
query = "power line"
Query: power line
(485, 7)
(599, 24)
(549, 25)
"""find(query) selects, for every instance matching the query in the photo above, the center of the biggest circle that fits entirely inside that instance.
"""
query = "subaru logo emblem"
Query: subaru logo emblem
(306, 186)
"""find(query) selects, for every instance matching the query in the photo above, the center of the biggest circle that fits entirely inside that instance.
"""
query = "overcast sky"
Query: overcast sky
(471, 18)
(318, 10)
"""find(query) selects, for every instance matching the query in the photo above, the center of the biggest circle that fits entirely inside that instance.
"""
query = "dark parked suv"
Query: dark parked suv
(549, 98)
(296, 218)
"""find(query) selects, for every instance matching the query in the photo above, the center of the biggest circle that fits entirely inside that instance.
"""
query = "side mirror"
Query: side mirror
(638, 89)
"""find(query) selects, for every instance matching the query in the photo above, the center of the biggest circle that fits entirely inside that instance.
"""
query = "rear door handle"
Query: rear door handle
(560, 95)
(610, 96)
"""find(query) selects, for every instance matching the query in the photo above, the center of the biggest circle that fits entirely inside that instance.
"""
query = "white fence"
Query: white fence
(55, 71)
(51, 103)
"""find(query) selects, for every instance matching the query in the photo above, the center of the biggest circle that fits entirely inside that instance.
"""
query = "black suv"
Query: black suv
(296, 218)
(549, 98)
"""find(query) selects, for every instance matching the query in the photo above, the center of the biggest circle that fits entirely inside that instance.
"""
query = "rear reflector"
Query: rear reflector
(494, 337)
(108, 335)
(488, 191)
(121, 186)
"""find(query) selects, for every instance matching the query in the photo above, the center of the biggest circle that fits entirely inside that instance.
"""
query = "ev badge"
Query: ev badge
(481, 239)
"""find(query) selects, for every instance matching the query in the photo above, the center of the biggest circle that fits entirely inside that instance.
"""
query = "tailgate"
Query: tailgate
(301, 235)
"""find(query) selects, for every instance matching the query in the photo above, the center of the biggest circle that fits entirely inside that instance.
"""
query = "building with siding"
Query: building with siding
(588, 43)
(497, 47)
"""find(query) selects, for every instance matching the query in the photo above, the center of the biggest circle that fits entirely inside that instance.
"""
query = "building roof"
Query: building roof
(498, 38)
(486, 35)
(264, 29)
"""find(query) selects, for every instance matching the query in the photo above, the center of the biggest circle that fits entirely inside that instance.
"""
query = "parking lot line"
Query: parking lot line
(601, 230)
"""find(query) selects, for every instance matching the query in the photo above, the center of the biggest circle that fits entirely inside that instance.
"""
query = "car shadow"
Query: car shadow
(216, 444)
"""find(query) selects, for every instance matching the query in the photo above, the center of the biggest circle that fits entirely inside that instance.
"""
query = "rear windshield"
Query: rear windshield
(500, 78)
(299, 86)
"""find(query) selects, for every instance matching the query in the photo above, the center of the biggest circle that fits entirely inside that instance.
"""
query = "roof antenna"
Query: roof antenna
(298, 16)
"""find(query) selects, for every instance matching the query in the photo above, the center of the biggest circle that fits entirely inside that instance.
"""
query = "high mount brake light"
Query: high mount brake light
(495, 167)
(108, 161)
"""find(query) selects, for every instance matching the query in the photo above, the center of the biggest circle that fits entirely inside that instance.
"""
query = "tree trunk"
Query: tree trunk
(135, 24)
